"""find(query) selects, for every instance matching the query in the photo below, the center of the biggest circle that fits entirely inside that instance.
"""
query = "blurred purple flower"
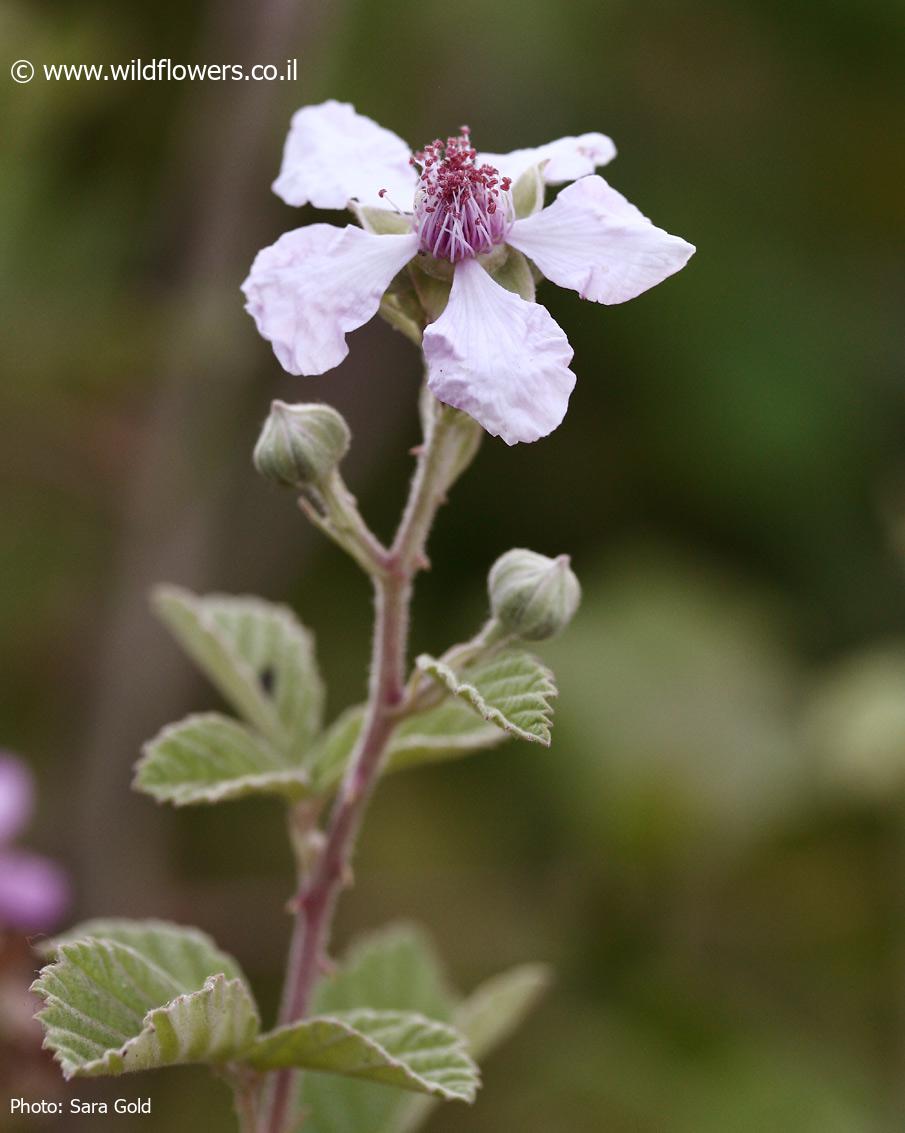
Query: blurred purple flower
(34, 891)
(17, 797)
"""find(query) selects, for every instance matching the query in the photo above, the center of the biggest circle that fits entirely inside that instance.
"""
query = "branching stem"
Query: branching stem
(447, 449)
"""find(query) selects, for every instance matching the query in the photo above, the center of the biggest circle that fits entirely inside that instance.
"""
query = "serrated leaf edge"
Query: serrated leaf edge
(411, 1114)
(326, 776)
(53, 945)
(108, 1062)
(344, 1021)
(283, 780)
(114, 1058)
(445, 675)
(466, 742)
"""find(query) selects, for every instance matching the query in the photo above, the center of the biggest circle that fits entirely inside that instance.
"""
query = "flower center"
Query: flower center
(461, 208)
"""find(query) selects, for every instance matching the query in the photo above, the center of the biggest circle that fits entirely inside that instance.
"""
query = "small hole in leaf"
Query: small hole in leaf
(266, 677)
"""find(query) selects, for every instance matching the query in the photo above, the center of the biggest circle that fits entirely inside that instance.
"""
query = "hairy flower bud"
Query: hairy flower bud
(300, 445)
(533, 596)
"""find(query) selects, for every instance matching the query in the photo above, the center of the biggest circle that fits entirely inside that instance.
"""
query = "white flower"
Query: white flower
(492, 353)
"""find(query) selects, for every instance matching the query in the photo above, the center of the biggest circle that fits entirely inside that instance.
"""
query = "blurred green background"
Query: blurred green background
(712, 854)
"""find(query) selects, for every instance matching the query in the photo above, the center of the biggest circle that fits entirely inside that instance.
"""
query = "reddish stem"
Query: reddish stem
(319, 891)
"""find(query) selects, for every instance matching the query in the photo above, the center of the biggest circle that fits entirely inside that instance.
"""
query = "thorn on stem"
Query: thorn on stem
(326, 966)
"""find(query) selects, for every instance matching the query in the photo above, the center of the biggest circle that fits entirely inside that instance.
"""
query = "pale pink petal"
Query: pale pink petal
(593, 241)
(16, 796)
(333, 154)
(567, 158)
(34, 892)
(502, 360)
(313, 286)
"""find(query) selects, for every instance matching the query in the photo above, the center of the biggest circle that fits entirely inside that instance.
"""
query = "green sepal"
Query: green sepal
(401, 307)
(432, 280)
(382, 222)
(528, 191)
(515, 275)
(442, 270)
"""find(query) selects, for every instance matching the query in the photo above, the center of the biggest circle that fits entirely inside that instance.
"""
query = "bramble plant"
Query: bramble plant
(453, 265)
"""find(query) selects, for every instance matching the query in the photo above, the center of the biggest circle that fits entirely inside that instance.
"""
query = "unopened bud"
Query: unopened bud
(532, 596)
(300, 445)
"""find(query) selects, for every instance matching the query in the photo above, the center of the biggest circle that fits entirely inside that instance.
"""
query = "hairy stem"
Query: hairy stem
(245, 1086)
(336, 513)
(448, 446)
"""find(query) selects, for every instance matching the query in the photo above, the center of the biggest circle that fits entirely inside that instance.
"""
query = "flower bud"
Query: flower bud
(300, 445)
(532, 596)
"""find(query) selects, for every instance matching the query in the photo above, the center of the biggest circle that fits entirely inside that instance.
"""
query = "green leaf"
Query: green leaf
(393, 1048)
(209, 758)
(110, 1008)
(331, 754)
(512, 690)
(393, 969)
(499, 1005)
(397, 968)
(186, 954)
(271, 640)
(449, 731)
(258, 656)
(486, 1018)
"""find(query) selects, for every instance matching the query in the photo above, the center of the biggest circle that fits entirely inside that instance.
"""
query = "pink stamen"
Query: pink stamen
(461, 209)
